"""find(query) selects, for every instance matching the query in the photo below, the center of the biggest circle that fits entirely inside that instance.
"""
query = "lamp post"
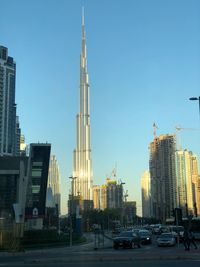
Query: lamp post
(71, 205)
(194, 99)
(123, 206)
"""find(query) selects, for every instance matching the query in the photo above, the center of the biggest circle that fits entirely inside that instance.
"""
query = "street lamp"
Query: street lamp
(194, 99)
(71, 205)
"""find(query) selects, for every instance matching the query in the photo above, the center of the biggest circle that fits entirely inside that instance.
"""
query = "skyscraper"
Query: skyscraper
(146, 194)
(82, 169)
(97, 197)
(187, 181)
(54, 180)
(163, 178)
(9, 124)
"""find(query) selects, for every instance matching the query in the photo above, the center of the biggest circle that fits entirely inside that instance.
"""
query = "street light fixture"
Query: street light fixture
(194, 99)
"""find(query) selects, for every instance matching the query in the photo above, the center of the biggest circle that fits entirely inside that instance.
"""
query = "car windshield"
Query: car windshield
(166, 235)
(126, 234)
(144, 233)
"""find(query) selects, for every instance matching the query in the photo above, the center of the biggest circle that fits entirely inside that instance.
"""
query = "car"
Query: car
(166, 239)
(146, 236)
(126, 239)
(177, 232)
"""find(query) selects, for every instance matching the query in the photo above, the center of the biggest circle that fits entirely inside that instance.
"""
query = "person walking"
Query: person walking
(191, 239)
(186, 241)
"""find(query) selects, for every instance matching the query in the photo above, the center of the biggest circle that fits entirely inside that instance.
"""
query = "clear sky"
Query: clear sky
(143, 63)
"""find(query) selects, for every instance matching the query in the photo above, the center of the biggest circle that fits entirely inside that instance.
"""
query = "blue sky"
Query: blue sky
(143, 63)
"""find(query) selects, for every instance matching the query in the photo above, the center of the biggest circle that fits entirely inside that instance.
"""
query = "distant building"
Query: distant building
(97, 197)
(198, 195)
(146, 194)
(187, 182)
(114, 194)
(104, 199)
(38, 167)
(163, 177)
(9, 122)
(109, 195)
(54, 180)
(130, 212)
(23, 145)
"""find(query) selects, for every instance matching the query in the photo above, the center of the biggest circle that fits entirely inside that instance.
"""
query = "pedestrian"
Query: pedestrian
(186, 239)
(191, 239)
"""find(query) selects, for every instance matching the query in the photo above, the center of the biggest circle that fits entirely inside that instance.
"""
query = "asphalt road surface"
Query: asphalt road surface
(136, 263)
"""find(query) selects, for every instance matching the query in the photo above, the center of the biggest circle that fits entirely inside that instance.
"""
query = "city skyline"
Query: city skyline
(144, 63)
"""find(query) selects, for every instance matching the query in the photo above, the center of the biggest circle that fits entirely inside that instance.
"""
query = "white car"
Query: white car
(166, 239)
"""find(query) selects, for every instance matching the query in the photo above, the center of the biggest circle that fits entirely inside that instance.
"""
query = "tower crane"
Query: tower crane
(178, 129)
(155, 127)
(125, 196)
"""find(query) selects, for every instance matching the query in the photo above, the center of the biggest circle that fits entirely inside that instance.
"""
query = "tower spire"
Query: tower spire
(83, 16)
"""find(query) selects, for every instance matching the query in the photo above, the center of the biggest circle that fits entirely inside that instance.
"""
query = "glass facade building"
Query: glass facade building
(9, 124)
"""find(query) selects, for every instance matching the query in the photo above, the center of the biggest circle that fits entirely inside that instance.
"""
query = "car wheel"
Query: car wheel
(115, 247)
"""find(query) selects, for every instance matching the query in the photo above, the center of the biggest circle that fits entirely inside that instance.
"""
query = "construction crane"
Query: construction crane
(155, 127)
(125, 196)
(178, 129)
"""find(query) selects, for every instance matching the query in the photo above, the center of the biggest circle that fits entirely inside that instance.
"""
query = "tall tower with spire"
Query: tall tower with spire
(82, 167)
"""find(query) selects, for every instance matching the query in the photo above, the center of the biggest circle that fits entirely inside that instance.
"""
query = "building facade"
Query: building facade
(9, 123)
(146, 194)
(97, 197)
(114, 194)
(187, 182)
(82, 169)
(54, 180)
(38, 167)
(163, 177)
(130, 212)
(13, 176)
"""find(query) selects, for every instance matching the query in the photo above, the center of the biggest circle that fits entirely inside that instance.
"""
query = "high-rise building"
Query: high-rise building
(54, 180)
(163, 178)
(23, 145)
(130, 211)
(146, 194)
(82, 169)
(109, 195)
(9, 123)
(114, 194)
(104, 199)
(97, 197)
(198, 195)
(187, 181)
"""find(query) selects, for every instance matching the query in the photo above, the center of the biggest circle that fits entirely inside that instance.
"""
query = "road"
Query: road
(86, 255)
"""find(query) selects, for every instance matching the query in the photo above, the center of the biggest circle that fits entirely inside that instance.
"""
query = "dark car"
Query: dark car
(126, 239)
(146, 236)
